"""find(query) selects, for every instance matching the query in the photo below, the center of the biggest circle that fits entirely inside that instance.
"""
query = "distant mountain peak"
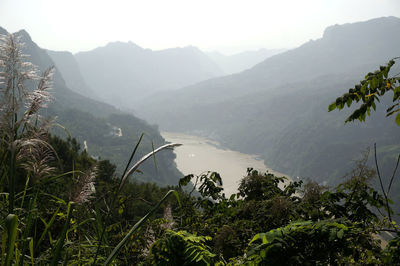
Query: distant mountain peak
(134, 72)
(376, 23)
(24, 35)
(3, 31)
(191, 47)
(128, 44)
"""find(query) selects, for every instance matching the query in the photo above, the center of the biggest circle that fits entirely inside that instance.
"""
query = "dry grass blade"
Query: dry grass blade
(143, 159)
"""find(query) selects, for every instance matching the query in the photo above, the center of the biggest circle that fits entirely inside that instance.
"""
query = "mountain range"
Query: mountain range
(279, 108)
(276, 109)
(123, 73)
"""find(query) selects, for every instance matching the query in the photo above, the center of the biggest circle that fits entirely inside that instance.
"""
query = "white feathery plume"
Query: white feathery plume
(39, 98)
(14, 72)
(84, 187)
(35, 157)
(31, 142)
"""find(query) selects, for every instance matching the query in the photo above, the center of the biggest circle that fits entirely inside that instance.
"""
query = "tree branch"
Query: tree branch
(383, 190)
(394, 173)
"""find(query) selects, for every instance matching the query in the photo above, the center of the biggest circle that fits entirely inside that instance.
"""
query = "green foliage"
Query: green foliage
(355, 198)
(105, 170)
(369, 90)
(103, 142)
(52, 210)
(211, 186)
(256, 185)
(181, 248)
(51, 231)
(260, 204)
(117, 249)
(392, 252)
(313, 243)
(304, 224)
(56, 253)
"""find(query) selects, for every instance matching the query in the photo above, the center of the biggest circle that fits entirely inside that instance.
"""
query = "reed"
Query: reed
(26, 157)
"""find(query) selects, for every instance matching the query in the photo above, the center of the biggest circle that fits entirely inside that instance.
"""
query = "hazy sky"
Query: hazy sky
(225, 25)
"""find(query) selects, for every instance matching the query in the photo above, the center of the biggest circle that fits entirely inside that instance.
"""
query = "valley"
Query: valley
(273, 141)
(198, 155)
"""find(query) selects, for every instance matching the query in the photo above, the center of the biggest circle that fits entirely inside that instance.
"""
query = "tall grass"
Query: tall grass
(29, 235)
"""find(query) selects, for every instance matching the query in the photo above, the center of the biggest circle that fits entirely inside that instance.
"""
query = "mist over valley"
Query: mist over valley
(188, 133)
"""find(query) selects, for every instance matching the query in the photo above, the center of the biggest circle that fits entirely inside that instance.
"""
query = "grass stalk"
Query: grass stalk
(143, 159)
(11, 177)
(28, 227)
(121, 244)
(11, 223)
(47, 228)
(103, 228)
(125, 177)
(60, 242)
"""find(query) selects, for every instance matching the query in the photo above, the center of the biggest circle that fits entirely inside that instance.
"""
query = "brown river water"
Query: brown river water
(198, 155)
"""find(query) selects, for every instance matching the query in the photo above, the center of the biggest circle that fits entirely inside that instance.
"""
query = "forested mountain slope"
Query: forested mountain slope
(65, 62)
(279, 108)
(98, 124)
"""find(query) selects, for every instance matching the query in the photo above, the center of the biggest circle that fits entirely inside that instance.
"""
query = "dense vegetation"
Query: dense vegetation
(57, 202)
(113, 137)
(58, 205)
(97, 123)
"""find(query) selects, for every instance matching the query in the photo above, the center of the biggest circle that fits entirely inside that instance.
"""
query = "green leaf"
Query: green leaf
(396, 93)
(11, 224)
(3, 246)
(257, 236)
(374, 82)
(398, 119)
(363, 89)
(31, 250)
(332, 106)
(386, 71)
(185, 180)
(392, 112)
(47, 227)
(391, 107)
(340, 233)
(348, 102)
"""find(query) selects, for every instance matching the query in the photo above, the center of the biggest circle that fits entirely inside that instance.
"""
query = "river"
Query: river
(198, 155)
